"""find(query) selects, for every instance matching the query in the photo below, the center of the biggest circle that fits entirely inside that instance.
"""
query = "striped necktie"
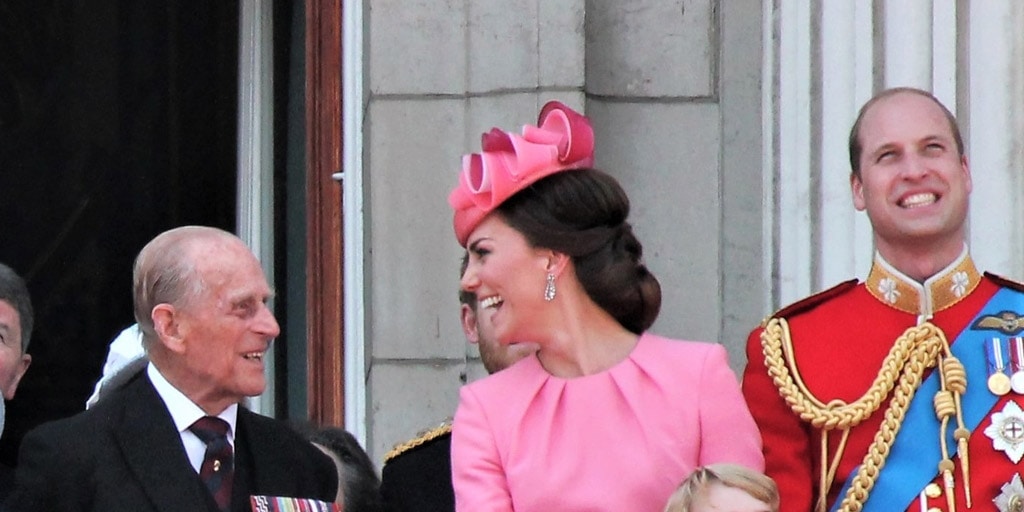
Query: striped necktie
(218, 469)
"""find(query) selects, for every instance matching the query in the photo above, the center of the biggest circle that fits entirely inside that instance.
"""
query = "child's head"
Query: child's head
(725, 488)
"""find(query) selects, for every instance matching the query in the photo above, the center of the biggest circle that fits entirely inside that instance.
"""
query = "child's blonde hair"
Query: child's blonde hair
(757, 485)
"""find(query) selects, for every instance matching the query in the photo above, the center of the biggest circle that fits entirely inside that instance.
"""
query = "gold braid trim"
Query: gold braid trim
(777, 347)
(917, 349)
(929, 343)
(424, 437)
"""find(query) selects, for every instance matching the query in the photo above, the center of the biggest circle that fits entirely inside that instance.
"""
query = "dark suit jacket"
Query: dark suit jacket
(125, 455)
(6, 481)
(419, 479)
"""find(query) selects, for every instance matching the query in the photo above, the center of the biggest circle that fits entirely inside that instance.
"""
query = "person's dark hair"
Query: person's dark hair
(854, 142)
(14, 291)
(359, 481)
(465, 297)
(582, 214)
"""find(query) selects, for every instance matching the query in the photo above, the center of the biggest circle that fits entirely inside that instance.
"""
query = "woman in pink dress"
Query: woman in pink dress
(605, 416)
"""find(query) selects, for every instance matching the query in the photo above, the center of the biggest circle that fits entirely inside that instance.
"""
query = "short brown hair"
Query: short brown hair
(466, 297)
(854, 142)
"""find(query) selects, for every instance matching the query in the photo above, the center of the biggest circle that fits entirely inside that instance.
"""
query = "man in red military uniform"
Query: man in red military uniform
(895, 393)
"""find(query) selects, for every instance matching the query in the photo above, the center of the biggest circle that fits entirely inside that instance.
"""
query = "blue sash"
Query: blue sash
(914, 459)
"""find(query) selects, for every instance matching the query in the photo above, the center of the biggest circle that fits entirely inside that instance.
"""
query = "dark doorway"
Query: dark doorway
(118, 120)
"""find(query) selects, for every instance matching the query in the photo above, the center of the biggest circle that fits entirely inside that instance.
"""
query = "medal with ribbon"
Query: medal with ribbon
(1017, 362)
(998, 380)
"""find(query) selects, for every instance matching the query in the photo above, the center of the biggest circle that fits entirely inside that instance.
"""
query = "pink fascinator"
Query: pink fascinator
(507, 163)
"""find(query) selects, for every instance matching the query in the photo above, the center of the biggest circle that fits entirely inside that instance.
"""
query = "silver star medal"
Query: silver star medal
(1007, 431)
(1012, 497)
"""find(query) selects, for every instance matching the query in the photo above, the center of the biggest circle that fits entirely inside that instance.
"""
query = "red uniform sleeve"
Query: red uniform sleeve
(788, 453)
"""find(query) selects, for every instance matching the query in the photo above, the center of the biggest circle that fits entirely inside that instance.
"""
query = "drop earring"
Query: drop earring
(549, 288)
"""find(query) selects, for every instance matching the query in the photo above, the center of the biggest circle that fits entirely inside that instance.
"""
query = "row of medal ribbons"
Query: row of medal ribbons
(1005, 365)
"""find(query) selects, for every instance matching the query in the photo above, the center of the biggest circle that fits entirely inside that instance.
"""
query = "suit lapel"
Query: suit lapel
(281, 463)
(269, 460)
(259, 461)
(153, 451)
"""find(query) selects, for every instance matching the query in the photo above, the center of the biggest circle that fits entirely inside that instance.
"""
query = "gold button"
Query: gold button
(216, 465)
(933, 490)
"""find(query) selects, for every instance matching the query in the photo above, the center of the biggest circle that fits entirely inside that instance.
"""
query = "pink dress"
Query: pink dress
(619, 440)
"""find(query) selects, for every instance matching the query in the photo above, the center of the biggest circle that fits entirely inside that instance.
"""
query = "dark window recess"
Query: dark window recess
(117, 121)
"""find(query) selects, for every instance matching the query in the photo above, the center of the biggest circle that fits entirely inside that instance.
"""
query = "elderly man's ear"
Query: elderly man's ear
(170, 327)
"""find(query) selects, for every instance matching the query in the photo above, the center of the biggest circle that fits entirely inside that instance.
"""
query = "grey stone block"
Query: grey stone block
(651, 48)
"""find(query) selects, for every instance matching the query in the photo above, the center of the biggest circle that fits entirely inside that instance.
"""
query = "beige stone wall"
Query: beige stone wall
(673, 88)
(730, 142)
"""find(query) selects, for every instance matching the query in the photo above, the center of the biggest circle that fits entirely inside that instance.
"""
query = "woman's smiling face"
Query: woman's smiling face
(508, 276)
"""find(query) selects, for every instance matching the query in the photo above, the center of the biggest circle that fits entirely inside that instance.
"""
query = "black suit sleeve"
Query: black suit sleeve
(45, 479)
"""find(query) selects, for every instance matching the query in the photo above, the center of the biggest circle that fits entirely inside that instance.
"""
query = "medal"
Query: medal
(998, 381)
(1007, 431)
(1011, 499)
(1017, 360)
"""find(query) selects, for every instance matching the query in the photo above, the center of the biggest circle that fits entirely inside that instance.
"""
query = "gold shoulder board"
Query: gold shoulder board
(423, 437)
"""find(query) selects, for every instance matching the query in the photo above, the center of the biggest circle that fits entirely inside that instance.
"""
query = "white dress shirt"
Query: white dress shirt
(185, 412)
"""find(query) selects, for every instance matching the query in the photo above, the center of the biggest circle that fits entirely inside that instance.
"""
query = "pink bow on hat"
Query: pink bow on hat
(562, 140)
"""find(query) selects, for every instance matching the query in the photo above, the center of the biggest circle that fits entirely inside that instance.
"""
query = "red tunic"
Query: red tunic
(840, 338)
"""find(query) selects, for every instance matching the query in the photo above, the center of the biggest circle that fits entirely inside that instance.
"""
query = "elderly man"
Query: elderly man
(175, 437)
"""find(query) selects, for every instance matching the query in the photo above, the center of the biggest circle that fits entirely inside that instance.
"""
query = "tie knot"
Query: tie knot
(209, 428)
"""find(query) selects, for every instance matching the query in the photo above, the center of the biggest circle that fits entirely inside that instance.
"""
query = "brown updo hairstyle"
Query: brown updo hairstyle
(582, 213)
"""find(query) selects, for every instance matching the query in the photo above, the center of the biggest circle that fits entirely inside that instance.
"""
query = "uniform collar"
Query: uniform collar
(944, 289)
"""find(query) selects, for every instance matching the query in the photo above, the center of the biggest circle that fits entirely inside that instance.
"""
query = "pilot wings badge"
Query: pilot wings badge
(1006, 322)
